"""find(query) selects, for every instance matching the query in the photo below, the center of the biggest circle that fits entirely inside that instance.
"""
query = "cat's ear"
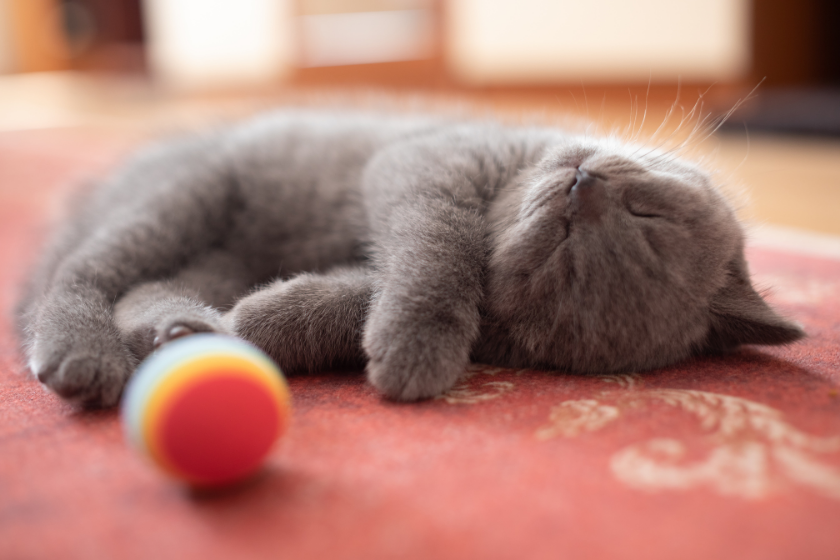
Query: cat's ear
(739, 315)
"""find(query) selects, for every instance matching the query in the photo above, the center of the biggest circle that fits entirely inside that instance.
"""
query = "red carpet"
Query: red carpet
(727, 458)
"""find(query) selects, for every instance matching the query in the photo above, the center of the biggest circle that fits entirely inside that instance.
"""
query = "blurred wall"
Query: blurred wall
(194, 44)
(504, 41)
(342, 32)
(796, 42)
(198, 43)
(35, 32)
(7, 54)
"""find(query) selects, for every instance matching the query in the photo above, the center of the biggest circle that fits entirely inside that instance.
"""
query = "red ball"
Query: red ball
(207, 409)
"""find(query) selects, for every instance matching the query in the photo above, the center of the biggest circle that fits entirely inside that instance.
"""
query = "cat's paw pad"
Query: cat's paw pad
(88, 379)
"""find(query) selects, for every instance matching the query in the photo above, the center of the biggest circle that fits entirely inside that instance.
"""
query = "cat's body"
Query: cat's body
(409, 244)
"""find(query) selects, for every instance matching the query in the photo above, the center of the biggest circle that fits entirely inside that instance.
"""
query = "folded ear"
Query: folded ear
(738, 315)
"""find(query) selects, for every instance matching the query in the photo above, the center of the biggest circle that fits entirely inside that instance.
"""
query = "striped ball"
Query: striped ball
(206, 408)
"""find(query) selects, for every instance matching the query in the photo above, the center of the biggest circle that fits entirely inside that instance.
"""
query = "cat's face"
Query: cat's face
(606, 259)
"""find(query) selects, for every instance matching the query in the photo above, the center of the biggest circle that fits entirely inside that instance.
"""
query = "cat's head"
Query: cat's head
(609, 259)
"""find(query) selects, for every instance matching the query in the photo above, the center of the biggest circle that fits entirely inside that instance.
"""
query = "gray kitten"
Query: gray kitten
(412, 245)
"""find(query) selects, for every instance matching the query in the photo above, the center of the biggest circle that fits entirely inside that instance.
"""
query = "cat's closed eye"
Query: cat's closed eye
(643, 213)
(644, 206)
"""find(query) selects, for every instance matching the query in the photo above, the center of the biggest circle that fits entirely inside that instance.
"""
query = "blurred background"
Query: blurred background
(627, 65)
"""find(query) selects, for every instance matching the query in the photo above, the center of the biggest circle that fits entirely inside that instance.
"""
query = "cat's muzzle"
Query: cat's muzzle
(588, 195)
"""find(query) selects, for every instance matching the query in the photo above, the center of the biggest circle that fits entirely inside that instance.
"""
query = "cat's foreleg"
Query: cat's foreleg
(426, 317)
(312, 322)
(143, 224)
(430, 257)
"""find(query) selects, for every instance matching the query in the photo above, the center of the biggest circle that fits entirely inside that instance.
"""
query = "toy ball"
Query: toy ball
(206, 408)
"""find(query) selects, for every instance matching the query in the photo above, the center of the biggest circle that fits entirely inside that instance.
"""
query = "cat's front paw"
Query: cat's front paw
(409, 362)
(92, 375)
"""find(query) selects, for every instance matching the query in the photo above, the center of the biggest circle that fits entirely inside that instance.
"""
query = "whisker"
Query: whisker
(746, 155)
(603, 103)
(585, 100)
(738, 104)
(644, 115)
(636, 117)
(670, 111)
(575, 100)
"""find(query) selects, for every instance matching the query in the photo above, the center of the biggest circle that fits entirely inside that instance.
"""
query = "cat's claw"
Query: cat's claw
(177, 331)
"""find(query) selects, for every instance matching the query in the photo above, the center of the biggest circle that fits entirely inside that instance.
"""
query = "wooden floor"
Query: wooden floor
(789, 181)
(777, 180)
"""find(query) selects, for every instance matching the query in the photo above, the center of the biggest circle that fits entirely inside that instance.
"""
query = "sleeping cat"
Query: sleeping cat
(411, 245)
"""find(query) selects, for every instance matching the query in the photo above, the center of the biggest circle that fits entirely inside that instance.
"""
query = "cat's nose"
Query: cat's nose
(589, 195)
(583, 180)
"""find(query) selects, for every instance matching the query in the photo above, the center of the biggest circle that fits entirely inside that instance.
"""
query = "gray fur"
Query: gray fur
(411, 245)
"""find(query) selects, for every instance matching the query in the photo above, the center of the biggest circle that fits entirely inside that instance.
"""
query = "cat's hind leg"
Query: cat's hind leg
(194, 300)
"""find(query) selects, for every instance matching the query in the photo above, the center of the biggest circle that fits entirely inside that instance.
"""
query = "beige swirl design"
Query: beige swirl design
(467, 393)
(755, 451)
